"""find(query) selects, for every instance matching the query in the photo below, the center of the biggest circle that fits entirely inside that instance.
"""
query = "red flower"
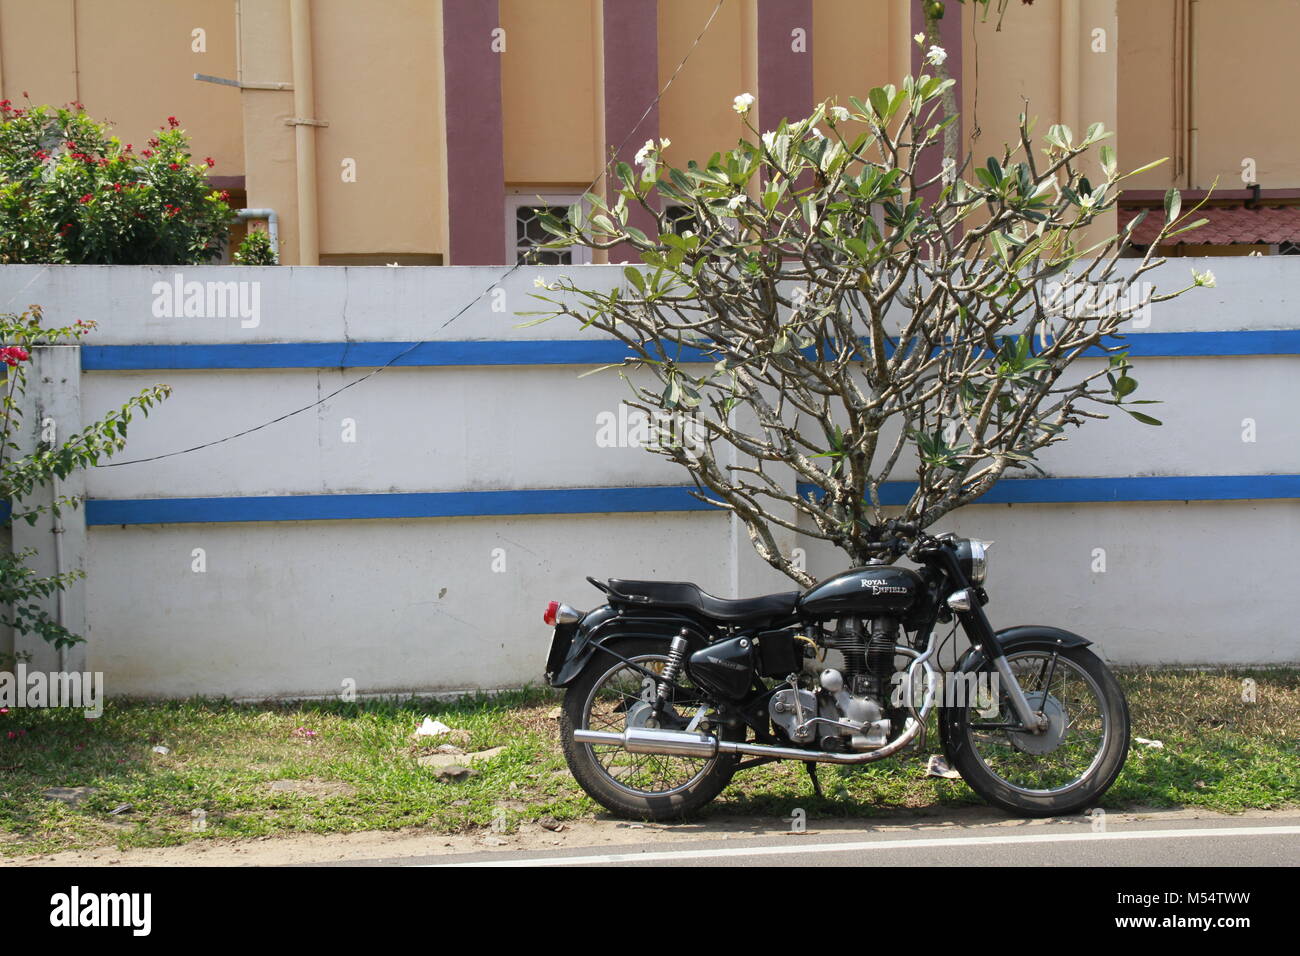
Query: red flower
(172, 122)
(173, 166)
(11, 355)
(86, 198)
(67, 228)
(225, 195)
(146, 153)
(127, 149)
(117, 187)
(153, 141)
(210, 161)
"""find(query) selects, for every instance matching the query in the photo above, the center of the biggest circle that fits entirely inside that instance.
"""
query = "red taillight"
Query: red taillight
(551, 613)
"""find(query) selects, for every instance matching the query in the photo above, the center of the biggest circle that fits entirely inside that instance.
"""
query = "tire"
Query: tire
(623, 800)
(963, 751)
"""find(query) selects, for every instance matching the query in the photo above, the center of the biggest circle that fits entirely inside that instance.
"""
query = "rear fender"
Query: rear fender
(606, 624)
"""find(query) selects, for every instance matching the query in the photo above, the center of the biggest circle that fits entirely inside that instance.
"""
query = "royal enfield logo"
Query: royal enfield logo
(883, 587)
(241, 299)
(721, 663)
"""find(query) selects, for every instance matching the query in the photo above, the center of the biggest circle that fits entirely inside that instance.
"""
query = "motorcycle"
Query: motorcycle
(670, 691)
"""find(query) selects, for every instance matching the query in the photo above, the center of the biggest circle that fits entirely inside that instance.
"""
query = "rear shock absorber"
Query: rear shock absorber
(676, 655)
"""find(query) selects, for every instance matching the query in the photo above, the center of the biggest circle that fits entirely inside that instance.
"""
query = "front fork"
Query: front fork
(980, 632)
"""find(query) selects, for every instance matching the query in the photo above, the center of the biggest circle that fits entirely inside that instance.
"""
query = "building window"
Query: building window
(679, 219)
(525, 233)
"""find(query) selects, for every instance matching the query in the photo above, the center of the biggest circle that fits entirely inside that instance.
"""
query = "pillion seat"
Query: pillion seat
(684, 596)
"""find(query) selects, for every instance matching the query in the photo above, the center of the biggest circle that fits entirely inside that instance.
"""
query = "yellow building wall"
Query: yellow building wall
(378, 85)
(132, 64)
(695, 113)
(1243, 92)
(1148, 108)
(548, 91)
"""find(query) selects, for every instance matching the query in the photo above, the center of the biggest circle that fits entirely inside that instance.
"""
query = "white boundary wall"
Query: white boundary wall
(448, 603)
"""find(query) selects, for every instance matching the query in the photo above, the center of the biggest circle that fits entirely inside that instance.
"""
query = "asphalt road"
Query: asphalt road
(1212, 842)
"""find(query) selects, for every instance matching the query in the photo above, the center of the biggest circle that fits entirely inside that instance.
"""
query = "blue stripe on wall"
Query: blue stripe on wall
(447, 504)
(1081, 490)
(109, 358)
(632, 500)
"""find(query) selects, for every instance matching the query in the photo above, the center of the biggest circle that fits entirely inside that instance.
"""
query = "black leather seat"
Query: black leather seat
(682, 595)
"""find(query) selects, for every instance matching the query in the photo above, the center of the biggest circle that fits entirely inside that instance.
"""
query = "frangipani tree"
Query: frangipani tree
(831, 316)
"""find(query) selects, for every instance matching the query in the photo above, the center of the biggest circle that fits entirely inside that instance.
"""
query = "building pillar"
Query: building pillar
(785, 61)
(950, 38)
(472, 48)
(629, 83)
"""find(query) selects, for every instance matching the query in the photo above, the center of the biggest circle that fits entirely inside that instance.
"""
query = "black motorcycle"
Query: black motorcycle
(670, 691)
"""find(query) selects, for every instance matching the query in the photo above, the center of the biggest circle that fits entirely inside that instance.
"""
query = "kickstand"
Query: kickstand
(817, 784)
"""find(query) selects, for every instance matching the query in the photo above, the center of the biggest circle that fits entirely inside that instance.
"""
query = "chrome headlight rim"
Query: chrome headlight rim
(972, 553)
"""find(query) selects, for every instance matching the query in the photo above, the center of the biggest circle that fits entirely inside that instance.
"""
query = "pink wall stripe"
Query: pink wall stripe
(631, 38)
(785, 77)
(475, 158)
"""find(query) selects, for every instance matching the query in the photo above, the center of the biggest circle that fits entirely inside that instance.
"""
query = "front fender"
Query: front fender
(606, 623)
(1019, 638)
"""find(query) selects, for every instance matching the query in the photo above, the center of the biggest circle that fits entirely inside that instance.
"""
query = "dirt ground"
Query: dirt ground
(327, 848)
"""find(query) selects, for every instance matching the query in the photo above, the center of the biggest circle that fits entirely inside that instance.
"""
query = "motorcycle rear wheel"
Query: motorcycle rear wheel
(606, 696)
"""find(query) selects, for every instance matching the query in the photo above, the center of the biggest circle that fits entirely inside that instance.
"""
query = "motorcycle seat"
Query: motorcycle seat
(682, 595)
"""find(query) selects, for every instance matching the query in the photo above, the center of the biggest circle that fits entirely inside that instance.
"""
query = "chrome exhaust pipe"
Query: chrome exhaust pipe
(681, 743)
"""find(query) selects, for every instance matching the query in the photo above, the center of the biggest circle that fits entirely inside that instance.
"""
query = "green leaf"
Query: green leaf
(1144, 419)
(1173, 204)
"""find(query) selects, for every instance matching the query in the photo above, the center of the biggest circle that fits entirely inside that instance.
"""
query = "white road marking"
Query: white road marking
(800, 847)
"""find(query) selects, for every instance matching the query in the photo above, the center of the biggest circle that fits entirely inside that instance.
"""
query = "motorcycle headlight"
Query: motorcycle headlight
(972, 554)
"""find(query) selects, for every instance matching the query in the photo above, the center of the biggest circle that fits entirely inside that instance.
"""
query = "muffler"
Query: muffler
(683, 743)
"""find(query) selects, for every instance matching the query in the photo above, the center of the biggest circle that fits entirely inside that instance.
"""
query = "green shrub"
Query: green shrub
(71, 193)
(255, 250)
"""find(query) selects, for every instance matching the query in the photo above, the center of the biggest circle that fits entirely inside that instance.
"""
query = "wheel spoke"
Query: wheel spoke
(610, 706)
(1074, 705)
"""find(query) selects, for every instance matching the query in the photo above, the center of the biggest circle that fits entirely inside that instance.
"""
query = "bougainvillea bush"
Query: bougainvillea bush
(24, 469)
(72, 193)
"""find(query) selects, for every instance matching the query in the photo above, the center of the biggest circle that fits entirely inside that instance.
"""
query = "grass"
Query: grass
(357, 770)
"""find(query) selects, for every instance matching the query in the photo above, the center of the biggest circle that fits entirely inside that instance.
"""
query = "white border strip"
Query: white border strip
(664, 856)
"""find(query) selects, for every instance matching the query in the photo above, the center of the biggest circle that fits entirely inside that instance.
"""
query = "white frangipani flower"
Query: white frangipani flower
(837, 114)
(1205, 278)
(735, 202)
(540, 283)
(643, 154)
(742, 103)
(936, 55)
(815, 133)
(920, 39)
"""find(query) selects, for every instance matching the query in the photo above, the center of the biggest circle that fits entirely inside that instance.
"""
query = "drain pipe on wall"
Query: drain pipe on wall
(304, 126)
(272, 225)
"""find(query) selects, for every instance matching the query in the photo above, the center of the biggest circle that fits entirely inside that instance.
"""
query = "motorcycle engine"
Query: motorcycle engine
(844, 710)
(830, 716)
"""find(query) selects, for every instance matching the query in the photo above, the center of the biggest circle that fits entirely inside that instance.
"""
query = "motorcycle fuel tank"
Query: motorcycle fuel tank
(863, 592)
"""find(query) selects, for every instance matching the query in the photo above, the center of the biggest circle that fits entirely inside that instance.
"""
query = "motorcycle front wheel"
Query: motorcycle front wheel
(609, 695)
(1063, 770)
